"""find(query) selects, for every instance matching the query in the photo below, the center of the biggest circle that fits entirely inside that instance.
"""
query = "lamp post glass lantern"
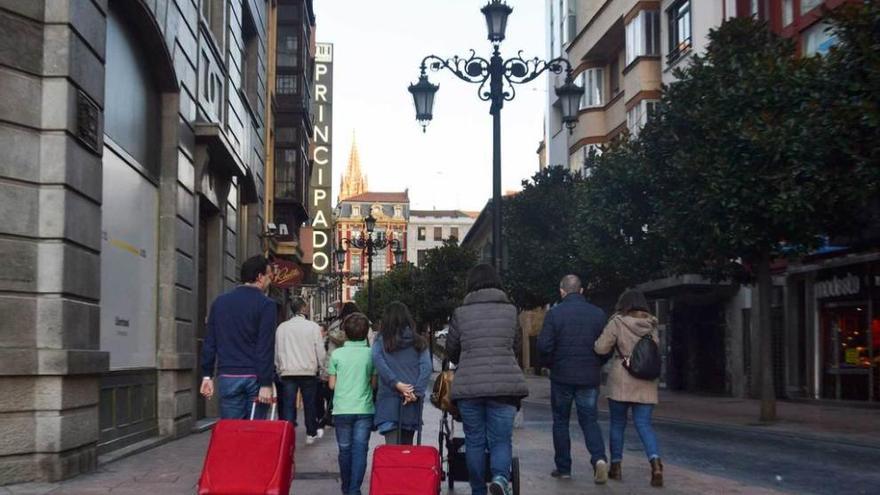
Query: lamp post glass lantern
(497, 80)
(423, 99)
(496, 13)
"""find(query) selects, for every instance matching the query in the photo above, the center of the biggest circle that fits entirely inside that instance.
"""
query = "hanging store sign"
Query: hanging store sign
(320, 207)
(286, 274)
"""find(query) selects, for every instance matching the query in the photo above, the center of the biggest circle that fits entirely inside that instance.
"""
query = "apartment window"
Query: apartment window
(581, 160)
(422, 233)
(639, 115)
(808, 5)
(787, 12)
(593, 82)
(214, 13)
(286, 163)
(818, 39)
(679, 29)
(286, 84)
(453, 233)
(421, 256)
(288, 46)
(438, 233)
(250, 59)
(568, 20)
(643, 35)
(355, 265)
(614, 76)
(380, 262)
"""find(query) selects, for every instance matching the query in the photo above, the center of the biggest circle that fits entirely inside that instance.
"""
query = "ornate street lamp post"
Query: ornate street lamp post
(500, 76)
(371, 244)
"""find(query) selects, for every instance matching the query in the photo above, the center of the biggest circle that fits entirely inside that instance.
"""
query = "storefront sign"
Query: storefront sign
(320, 206)
(845, 285)
(851, 355)
(286, 274)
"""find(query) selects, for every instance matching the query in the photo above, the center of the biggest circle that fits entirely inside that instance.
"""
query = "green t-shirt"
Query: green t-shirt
(352, 364)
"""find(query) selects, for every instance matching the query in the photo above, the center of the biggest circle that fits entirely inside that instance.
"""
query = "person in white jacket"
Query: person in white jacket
(299, 359)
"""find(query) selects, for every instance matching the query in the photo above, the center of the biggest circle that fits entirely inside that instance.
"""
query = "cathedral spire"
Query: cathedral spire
(353, 180)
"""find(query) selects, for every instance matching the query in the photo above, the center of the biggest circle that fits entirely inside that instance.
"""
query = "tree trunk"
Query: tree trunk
(765, 288)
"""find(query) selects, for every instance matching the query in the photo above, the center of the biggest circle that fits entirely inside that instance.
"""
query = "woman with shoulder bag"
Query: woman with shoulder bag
(403, 362)
(489, 385)
(631, 323)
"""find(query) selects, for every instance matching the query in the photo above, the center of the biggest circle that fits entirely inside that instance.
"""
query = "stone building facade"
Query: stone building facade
(131, 186)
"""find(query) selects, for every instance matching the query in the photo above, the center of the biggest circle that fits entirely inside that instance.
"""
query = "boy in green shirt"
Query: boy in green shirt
(352, 379)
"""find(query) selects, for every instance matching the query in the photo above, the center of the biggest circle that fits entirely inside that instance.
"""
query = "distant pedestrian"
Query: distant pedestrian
(323, 394)
(403, 362)
(352, 379)
(335, 339)
(631, 322)
(299, 357)
(241, 342)
(489, 385)
(566, 347)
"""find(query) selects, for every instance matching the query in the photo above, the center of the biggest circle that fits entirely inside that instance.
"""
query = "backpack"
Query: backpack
(644, 361)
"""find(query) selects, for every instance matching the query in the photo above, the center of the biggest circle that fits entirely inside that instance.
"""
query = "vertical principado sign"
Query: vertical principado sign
(320, 205)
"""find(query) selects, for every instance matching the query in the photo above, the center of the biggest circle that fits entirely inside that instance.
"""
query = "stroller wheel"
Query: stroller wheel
(514, 475)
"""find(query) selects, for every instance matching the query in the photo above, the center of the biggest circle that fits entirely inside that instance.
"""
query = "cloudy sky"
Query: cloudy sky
(378, 47)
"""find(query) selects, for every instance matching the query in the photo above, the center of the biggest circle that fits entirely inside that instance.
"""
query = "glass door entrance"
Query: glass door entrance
(847, 351)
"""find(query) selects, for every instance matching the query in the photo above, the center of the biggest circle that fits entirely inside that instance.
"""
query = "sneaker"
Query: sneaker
(499, 486)
(600, 472)
(320, 432)
(310, 439)
(562, 476)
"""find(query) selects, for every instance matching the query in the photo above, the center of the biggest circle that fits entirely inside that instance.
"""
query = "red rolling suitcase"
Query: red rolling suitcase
(249, 457)
(405, 469)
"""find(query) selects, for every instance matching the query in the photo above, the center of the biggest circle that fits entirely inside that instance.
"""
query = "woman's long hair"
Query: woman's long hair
(631, 301)
(483, 276)
(347, 309)
(395, 320)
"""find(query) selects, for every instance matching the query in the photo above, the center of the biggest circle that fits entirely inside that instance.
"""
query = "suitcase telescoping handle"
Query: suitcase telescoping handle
(418, 404)
(273, 411)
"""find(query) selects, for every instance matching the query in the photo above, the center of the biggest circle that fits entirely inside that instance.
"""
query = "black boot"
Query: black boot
(656, 472)
(615, 473)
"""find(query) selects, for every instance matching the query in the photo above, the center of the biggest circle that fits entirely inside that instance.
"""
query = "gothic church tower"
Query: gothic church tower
(353, 182)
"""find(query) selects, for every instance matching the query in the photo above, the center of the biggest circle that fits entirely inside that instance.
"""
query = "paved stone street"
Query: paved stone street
(726, 458)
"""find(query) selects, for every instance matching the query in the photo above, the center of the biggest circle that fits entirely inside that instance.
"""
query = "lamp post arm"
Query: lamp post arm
(519, 70)
(473, 69)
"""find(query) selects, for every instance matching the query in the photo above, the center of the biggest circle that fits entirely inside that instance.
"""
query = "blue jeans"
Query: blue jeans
(642, 421)
(487, 424)
(309, 387)
(585, 400)
(353, 440)
(237, 395)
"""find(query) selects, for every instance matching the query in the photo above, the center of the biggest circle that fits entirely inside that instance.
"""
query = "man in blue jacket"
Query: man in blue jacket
(566, 347)
(241, 340)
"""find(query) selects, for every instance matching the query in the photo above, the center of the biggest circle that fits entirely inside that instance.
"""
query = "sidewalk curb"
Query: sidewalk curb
(739, 429)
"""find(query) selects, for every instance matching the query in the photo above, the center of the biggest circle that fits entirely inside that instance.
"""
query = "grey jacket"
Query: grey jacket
(483, 334)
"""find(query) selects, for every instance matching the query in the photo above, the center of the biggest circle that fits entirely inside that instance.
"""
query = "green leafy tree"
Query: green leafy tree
(431, 292)
(442, 282)
(615, 215)
(738, 174)
(852, 93)
(539, 226)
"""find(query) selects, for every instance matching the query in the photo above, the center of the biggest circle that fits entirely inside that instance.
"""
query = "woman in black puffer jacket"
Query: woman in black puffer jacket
(489, 383)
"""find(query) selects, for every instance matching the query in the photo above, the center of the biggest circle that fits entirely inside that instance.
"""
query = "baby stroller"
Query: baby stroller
(453, 466)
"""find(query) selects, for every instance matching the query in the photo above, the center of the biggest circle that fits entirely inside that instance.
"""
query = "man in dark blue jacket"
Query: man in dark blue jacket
(566, 347)
(241, 339)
